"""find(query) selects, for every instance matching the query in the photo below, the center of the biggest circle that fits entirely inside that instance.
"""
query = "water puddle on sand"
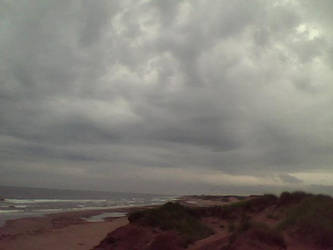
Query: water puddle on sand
(103, 216)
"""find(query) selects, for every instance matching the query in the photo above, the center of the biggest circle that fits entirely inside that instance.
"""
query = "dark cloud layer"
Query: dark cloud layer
(135, 95)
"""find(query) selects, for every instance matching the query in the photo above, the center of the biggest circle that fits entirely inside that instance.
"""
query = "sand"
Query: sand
(65, 231)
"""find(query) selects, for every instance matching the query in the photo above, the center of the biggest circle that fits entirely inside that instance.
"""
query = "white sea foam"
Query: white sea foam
(27, 201)
(9, 211)
(50, 210)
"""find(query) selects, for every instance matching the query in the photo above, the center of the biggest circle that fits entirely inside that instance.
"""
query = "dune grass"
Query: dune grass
(237, 209)
(308, 216)
(312, 219)
(253, 233)
(287, 198)
(173, 216)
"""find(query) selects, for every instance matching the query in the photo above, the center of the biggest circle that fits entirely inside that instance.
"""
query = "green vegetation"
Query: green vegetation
(306, 216)
(173, 216)
(272, 216)
(309, 216)
(237, 209)
(256, 204)
(267, 235)
(312, 218)
(253, 233)
(287, 198)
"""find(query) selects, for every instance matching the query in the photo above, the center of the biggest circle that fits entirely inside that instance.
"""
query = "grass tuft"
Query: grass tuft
(173, 216)
(251, 233)
(287, 198)
(312, 219)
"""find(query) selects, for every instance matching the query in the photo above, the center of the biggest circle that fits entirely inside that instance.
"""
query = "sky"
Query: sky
(177, 96)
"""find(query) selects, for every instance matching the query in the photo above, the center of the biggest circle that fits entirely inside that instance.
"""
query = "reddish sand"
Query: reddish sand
(218, 239)
(64, 231)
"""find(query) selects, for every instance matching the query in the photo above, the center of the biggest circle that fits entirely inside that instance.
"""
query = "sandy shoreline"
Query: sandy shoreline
(67, 230)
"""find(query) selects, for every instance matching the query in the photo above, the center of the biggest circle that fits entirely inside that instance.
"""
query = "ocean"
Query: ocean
(19, 202)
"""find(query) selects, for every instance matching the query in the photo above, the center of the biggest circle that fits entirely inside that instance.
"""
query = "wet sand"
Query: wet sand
(66, 231)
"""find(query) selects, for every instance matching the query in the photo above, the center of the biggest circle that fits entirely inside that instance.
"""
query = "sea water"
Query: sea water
(22, 202)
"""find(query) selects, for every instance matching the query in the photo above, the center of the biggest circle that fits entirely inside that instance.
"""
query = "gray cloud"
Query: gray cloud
(92, 93)
(289, 179)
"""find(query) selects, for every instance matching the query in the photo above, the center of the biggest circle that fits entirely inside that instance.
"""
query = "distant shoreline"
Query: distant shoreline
(17, 214)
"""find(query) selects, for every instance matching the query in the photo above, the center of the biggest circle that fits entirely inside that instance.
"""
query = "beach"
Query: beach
(37, 218)
(75, 230)
(202, 222)
(58, 231)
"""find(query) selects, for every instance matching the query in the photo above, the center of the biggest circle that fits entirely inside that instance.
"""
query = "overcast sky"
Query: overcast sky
(166, 96)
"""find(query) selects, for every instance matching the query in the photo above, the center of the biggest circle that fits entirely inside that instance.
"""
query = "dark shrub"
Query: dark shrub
(287, 198)
(260, 203)
(173, 216)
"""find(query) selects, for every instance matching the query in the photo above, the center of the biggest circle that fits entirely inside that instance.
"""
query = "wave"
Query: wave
(28, 201)
(9, 211)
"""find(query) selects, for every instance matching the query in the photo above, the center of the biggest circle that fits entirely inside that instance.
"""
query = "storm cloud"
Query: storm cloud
(166, 96)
